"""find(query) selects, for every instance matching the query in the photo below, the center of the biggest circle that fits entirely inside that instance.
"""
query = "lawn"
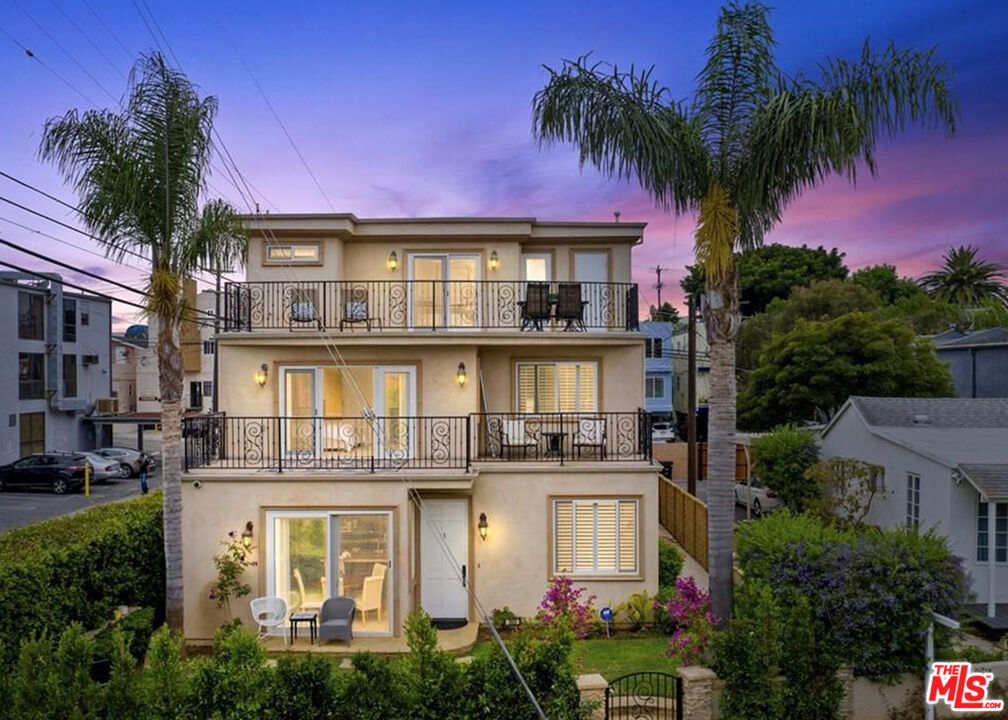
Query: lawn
(612, 658)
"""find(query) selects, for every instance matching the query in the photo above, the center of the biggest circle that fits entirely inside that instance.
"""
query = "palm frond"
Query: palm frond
(625, 125)
(217, 241)
(965, 280)
(717, 230)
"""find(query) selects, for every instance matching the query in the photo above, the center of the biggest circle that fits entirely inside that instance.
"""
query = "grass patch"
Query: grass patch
(614, 657)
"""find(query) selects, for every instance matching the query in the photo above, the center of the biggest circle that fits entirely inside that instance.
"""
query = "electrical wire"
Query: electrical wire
(31, 55)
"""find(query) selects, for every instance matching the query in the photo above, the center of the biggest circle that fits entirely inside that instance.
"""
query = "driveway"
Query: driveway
(24, 507)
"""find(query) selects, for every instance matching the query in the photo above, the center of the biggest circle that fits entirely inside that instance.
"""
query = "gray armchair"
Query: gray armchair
(336, 619)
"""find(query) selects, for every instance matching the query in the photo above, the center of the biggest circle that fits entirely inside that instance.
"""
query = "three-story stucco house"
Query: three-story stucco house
(421, 412)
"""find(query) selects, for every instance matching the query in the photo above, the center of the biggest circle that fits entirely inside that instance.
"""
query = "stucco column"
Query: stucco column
(593, 689)
(991, 569)
(698, 687)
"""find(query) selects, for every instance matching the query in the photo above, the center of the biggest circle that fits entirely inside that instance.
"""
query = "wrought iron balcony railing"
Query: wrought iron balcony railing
(342, 305)
(280, 443)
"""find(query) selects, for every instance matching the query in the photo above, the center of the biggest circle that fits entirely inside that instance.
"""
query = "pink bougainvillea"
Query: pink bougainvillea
(563, 602)
(689, 610)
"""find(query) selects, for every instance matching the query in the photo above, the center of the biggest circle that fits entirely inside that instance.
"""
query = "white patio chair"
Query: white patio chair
(515, 436)
(269, 613)
(371, 596)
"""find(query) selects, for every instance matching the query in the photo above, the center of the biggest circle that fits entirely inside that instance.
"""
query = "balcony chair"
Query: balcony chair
(342, 436)
(269, 613)
(570, 306)
(303, 312)
(355, 310)
(513, 435)
(535, 308)
(373, 592)
(336, 618)
(590, 434)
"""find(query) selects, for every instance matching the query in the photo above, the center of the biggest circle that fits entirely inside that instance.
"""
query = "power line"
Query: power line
(31, 55)
(108, 29)
(91, 42)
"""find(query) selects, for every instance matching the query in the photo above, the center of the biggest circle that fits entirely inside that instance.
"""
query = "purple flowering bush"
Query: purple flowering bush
(566, 604)
(689, 614)
(871, 590)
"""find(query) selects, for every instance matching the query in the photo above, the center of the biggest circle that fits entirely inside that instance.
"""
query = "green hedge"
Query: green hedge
(79, 569)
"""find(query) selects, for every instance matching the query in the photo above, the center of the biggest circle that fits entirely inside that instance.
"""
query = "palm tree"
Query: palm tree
(750, 140)
(965, 280)
(139, 174)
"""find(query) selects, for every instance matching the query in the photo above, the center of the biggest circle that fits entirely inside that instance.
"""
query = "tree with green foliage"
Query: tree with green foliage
(924, 314)
(750, 141)
(807, 373)
(991, 313)
(772, 271)
(665, 313)
(965, 279)
(884, 280)
(780, 459)
(846, 488)
(139, 176)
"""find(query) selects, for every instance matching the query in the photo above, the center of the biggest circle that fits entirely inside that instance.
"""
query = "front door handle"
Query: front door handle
(463, 576)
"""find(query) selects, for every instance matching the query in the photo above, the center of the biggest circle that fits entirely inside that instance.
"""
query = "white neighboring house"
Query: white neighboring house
(945, 465)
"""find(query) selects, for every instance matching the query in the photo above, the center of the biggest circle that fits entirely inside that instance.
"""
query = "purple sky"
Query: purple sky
(420, 110)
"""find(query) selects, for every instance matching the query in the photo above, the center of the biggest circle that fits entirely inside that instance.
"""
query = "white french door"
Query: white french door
(313, 555)
(395, 404)
(592, 269)
(444, 292)
(444, 558)
(300, 426)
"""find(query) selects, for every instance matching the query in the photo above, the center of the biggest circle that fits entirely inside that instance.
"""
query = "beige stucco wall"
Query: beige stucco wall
(511, 567)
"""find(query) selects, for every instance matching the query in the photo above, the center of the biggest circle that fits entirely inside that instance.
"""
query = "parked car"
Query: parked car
(662, 432)
(128, 459)
(103, 468)
(763, 498)
(60, 472)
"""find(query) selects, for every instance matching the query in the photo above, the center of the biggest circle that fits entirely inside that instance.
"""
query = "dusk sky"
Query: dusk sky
(406, 109)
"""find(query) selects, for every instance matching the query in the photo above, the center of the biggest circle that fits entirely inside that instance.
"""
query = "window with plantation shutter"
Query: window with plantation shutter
(595, 537)
(557, 387)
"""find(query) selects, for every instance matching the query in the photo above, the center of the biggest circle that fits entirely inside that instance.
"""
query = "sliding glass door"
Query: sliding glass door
(313, 555)
(445, 290)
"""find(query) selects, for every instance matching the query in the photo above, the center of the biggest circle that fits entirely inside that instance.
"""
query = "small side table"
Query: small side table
(310, 617)
(554, 443)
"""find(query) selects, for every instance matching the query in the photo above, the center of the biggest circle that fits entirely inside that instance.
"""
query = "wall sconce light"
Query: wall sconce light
(261, 375)
(482, 525)
(393, 261)
(246, 535)
(494, 260)
(460, 375)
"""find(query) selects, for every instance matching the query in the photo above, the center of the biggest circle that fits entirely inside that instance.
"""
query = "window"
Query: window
(557, 387)
(195, 394)
(31, 376)
(536, 267)
(32, 432)
(1000, 532)
(652, 347)
(595, 537)
(85, 318)
(31, 313)
(208, 388)
(209, 347)
(293, 253)
(876, 478)
(69, 320)
(654, 387)
(913, 500)
(69, 376)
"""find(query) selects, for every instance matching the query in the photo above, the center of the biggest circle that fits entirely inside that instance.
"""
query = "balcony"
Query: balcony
(375, 443)
(430, 305)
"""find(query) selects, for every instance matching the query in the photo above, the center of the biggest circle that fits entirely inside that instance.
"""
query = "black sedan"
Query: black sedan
(59, 472)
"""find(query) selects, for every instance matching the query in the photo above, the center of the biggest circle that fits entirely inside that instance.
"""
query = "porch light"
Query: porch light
(393, 261)
(460, 375)
(261, 375)
(482, 526)
(246, 535)
(494, 260)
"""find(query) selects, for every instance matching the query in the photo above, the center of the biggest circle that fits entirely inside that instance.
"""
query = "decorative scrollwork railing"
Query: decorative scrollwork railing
(644, 696)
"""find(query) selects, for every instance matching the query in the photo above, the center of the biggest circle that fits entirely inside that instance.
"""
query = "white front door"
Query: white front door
(444, 558)
(591, 269)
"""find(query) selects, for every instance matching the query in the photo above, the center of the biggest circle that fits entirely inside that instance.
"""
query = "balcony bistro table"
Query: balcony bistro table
(310, 617)
(554, 443)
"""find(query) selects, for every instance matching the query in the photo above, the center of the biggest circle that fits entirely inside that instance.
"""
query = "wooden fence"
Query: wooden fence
(685, 518)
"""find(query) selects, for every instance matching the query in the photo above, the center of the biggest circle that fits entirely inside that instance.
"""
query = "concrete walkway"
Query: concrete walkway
(691, 568)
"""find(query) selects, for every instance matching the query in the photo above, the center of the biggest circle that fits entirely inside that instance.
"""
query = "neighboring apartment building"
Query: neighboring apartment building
(398, 392)
(126, 353)
(198, 346)
(679, 345)
(977, 360)
(659, 378)
(56, 355)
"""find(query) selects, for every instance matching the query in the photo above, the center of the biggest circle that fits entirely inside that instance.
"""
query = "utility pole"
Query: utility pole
(691, 447)
(658, 270)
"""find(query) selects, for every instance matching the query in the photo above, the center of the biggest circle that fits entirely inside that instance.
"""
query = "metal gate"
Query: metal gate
(644, 696)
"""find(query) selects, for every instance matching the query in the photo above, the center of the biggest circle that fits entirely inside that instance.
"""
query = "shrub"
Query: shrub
(689, 611)
(809, 664)
(433, 678)
(782, 456)
(79, 568)
(165, 682)
(373, 691)
(233, 684)
(135, 628)
(763, 544)
(670, 562)
(638, 609)
(563, 604)
(663, 622)
(303, 688)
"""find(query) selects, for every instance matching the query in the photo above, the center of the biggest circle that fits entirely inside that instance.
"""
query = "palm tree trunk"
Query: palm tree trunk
(722, 323)
(170, 372)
